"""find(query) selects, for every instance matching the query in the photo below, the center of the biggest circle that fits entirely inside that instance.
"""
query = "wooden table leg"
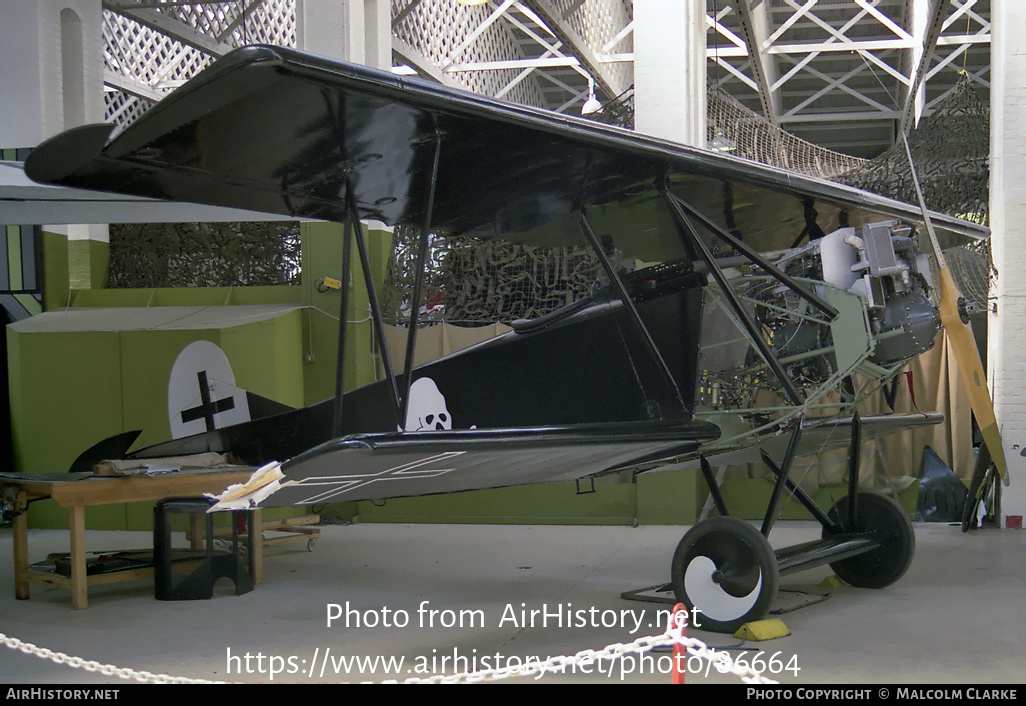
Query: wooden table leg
(19, 529)
(79, 586)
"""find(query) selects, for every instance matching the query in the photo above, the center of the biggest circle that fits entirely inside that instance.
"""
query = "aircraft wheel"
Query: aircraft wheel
(882, 516)
(726, 570)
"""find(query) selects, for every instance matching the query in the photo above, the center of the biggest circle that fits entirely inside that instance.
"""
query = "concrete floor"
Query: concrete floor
(957, 617)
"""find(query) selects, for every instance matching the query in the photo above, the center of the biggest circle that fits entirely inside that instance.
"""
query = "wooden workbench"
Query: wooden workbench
(77, 494)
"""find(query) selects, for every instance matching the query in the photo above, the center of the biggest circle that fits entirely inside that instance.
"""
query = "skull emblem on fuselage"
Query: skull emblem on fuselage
(427, 410)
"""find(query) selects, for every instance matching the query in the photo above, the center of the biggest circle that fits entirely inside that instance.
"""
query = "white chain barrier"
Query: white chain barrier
(674, 636)
(108, 670)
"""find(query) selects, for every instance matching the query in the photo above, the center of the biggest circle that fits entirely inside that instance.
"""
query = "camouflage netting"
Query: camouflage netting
(204, 254)
(733, 128)
(951, 149)
(475, 283)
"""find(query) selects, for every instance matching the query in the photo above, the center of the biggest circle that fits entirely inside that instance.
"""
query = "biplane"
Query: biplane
(740, 280)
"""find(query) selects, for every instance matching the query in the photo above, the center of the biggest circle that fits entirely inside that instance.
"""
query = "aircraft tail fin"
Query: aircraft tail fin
(112, 447)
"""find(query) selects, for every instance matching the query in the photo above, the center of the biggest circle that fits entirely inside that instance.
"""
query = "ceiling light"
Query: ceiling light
(592, 105)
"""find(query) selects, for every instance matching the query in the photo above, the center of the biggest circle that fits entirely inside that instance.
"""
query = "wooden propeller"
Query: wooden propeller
(963, 345)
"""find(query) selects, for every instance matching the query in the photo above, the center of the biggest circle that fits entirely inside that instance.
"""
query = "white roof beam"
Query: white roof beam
(131, 86)
(588, 60)
(551, 52)
(403, 53)
(927, 18)
(541, 62)
(755, 23)
(840, 45)
(841, 116)
(477, 32)
(165, 24)
(838, 83)
(870, 7)
(628, 29)
(738, 73)
(527, 72)
(247, 10)
(966, 9)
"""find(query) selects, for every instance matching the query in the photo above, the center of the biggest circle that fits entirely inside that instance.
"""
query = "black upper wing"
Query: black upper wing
(276, 130)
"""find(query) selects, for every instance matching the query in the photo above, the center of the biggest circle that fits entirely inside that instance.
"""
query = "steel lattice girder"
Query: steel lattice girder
(811, 67)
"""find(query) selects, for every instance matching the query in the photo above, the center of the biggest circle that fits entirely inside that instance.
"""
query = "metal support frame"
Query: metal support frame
(815, 510)
(556, 22)
(840, 541)
(621, 289)
(352, 231)
(782, 472)
(872, 61)
(926, 46)
(688, 230)
(854, 459)
(754, 22)
(755, 258)
(823, 551)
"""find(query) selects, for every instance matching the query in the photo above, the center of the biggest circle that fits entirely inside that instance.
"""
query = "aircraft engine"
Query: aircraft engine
(882, 263)
(879, 262)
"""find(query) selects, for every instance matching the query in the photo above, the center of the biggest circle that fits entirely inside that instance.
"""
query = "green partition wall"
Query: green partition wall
(81, 375)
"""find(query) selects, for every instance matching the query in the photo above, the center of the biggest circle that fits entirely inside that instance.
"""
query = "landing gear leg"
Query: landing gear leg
(979, 487)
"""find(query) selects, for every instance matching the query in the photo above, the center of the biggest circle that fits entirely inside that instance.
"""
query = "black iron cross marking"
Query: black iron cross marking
(207, 409)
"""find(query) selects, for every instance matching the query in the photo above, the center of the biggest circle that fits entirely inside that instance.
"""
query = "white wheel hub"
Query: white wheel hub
(710, 598)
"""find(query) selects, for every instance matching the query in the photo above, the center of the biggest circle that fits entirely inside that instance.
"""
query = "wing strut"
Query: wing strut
(343, 315)
(621, 290)
(418, 281)
(375, 307)
(688, 230)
